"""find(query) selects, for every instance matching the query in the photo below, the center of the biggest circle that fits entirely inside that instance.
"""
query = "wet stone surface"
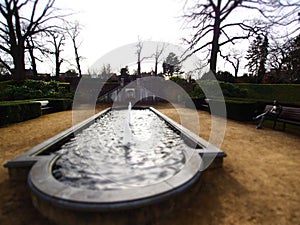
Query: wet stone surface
(122, 149)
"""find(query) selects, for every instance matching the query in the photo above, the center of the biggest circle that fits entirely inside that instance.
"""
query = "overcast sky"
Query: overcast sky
(111, 24)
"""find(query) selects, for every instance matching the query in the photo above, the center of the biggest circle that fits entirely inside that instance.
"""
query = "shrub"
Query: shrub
(196, 91)
(211, 89)
(24, 92)
(232, 90)
(33, 84)
(17, 111)
(178, 80)
(34, 89)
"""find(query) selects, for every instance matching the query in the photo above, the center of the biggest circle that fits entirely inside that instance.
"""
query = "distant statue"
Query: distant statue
(271, 113)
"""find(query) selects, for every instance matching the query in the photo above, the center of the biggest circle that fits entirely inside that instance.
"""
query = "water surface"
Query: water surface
(121, 150)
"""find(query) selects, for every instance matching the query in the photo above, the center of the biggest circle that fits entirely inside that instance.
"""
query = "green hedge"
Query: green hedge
(241, 110)
(284, 93)
(238, 110)
(198, 102)
(33, 89)
(211, 89)
(60, 104)
(242, 102)
(17, 111)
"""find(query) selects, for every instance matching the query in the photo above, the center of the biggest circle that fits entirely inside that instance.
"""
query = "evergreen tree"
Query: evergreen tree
(171, 64)
(293, 59)
(263, 57)
(257, 57)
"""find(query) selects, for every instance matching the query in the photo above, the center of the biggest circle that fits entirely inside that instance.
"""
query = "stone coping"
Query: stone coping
(202, 146)
(45, 187)
(30, 157)
(36, 153)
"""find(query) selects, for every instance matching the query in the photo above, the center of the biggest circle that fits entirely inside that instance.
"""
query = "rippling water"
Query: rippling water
(113, 153)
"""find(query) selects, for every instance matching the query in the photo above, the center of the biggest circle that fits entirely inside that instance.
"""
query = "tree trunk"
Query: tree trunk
(236, 69)
(34, 69)
(57, 66)
(213, 58)
(77, 58)
(215, 43)
(30, 47)
(78, 65)
(19, 72)
(139, 69)
(33, 64)
(19, 62)
(155, 68)
(235, 72)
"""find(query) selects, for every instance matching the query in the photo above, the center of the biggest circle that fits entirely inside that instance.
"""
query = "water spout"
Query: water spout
(129, 113)
(127, 129)
(127, 135)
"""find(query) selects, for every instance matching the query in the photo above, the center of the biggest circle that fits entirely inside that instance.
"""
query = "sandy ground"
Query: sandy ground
(259, 183)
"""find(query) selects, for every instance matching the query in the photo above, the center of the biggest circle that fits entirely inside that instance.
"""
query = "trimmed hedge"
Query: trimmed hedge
(60, 104)
(237, 109)
(198, 102)
(241, 110)
(284, 93)
(17, 111)
(211, 89)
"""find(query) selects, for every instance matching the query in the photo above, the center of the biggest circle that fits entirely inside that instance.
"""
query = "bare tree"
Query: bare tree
(158, 53)
(31, 46)
(292, 62)
(198, 70)
(57, 40)
(105, 72)
(139, 48)
(234, 57)
(213, 23)
(16, 29)
(140, 59)
(278, 56)
(35, 45)
(73, 32)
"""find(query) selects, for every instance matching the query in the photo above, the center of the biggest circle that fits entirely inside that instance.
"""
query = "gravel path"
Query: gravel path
(259, 183)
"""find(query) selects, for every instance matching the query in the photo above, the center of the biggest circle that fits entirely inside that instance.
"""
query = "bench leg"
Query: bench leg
(274, 124)
(284, 124)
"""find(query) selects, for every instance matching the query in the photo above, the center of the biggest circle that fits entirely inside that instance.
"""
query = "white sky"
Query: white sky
(111, 24)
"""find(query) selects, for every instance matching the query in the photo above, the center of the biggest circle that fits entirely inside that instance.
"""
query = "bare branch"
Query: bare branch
(194, 51)
(6, 66)
(210, 18)
(17, 29)
(73, 31)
